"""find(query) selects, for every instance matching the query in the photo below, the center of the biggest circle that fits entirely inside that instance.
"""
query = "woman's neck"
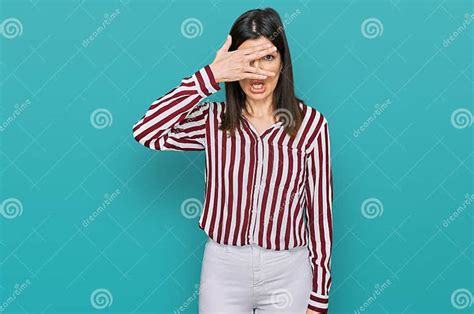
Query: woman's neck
(259, 108)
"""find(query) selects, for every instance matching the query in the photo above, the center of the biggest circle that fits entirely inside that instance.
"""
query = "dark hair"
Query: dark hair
(252, 25)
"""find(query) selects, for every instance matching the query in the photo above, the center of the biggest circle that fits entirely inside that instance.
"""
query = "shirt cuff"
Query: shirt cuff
(318, 303)
(205, 81)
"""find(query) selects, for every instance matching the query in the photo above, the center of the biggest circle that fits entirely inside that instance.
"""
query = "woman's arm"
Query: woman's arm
(319, 198)
(176, 120)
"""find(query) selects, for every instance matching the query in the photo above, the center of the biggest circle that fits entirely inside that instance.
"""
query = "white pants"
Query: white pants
(242, 279)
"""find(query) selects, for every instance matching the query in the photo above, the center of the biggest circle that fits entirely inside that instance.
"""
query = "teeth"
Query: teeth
(257, 85)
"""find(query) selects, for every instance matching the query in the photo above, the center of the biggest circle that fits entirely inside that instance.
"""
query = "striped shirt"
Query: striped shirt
(266, 188)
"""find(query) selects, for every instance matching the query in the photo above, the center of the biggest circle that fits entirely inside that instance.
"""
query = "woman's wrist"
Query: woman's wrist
(215, 72)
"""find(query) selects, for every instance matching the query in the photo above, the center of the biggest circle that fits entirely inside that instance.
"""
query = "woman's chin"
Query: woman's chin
(253, 96)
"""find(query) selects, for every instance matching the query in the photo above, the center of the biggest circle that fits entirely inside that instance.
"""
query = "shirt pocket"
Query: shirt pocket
(289, 160)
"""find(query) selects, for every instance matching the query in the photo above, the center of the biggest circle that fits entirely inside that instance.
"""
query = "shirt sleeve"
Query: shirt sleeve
(177, 120)
(319, 198)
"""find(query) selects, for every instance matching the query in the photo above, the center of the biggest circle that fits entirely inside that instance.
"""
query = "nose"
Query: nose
(254, 63)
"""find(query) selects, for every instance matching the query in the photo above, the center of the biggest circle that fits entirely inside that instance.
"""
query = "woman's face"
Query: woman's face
(261, 89)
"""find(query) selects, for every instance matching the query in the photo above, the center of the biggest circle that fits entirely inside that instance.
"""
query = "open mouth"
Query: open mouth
(257, 86)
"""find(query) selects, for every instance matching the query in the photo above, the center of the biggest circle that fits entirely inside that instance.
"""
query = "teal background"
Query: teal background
(58, 168)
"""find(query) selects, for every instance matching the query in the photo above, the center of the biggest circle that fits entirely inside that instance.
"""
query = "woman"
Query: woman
(268, 197)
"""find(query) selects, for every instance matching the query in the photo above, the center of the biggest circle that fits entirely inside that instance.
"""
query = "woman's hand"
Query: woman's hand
(312, 312)
(235, 65)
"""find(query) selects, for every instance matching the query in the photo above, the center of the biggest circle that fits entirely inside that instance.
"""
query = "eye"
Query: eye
(268, 57)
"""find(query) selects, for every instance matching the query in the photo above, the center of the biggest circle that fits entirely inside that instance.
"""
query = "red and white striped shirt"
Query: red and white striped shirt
(257, 185)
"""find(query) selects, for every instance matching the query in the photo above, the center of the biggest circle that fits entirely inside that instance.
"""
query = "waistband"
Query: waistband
(254, 246)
